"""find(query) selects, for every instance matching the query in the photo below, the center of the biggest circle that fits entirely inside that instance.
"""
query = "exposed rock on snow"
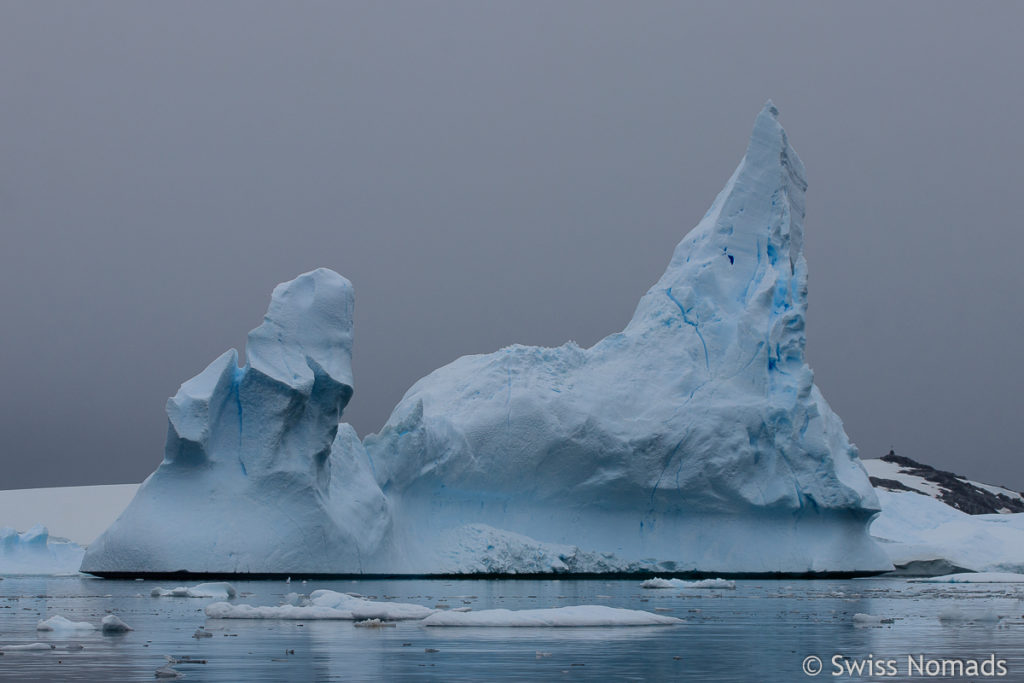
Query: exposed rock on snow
(257, 474)
(896, 473)
(36, 552)
(581, 615)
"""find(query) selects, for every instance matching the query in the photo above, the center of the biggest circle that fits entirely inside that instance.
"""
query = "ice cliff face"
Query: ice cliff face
(258, 476)
(694, 439)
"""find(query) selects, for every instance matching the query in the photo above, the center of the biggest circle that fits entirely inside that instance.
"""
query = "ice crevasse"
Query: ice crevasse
(694, 440)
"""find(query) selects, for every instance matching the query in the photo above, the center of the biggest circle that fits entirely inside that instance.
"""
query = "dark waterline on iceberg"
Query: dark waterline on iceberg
(539, 576)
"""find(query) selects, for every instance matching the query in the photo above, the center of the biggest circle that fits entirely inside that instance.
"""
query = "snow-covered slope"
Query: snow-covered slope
(898, 473)
(258, 476)
(925, 526)
(693, 440)
(36, 552)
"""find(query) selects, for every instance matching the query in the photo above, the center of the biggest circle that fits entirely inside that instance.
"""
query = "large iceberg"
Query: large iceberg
(694, 440)
(258, 476)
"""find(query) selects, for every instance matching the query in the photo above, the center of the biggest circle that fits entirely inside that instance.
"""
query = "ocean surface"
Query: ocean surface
(761, 631)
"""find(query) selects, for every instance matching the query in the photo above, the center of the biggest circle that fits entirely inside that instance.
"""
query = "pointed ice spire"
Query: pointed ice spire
(737, 282)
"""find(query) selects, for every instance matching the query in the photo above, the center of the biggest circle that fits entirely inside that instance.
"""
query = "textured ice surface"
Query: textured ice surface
(258, 476)
(579, 615)
(694, 439)
(36, 552)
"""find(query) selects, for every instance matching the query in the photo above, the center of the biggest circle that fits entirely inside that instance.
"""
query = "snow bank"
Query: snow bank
(36, 552)
(915, 528)
(322, 604)
(678, 583)
(220, 590)
(61, 623)
(581, 615)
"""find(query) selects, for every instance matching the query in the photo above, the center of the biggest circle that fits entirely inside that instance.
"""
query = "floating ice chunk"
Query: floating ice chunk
(166, 671)
(581, 615)
(221, 590)
(679, 583)
(953, 614)
(60, 623)
(373, 623)
(111, 624)
(861, 619)
(323, 604)
(971, 577)
(27, 647)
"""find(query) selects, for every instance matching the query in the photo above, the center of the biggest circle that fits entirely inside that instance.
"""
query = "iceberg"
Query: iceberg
(258, 475)
(36, 552)
(694, 440)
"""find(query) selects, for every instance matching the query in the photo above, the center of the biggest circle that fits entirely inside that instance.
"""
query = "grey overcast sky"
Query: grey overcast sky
(488, 173)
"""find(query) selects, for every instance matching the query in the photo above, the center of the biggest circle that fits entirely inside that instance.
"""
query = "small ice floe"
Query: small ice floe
(374, 623)
(679, 583)
(60, 623)
(973, 577)
(581, 615)
(322, 604)
(28, 647)
(953, 615)
(166, 671)
(171, 661)
(861, 619)
(111, 624)
(221, 590)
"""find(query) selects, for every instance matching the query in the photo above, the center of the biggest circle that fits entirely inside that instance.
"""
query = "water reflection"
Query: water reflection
(762, 630)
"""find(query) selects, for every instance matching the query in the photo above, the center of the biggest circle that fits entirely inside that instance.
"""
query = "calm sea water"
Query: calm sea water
(761, 631)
